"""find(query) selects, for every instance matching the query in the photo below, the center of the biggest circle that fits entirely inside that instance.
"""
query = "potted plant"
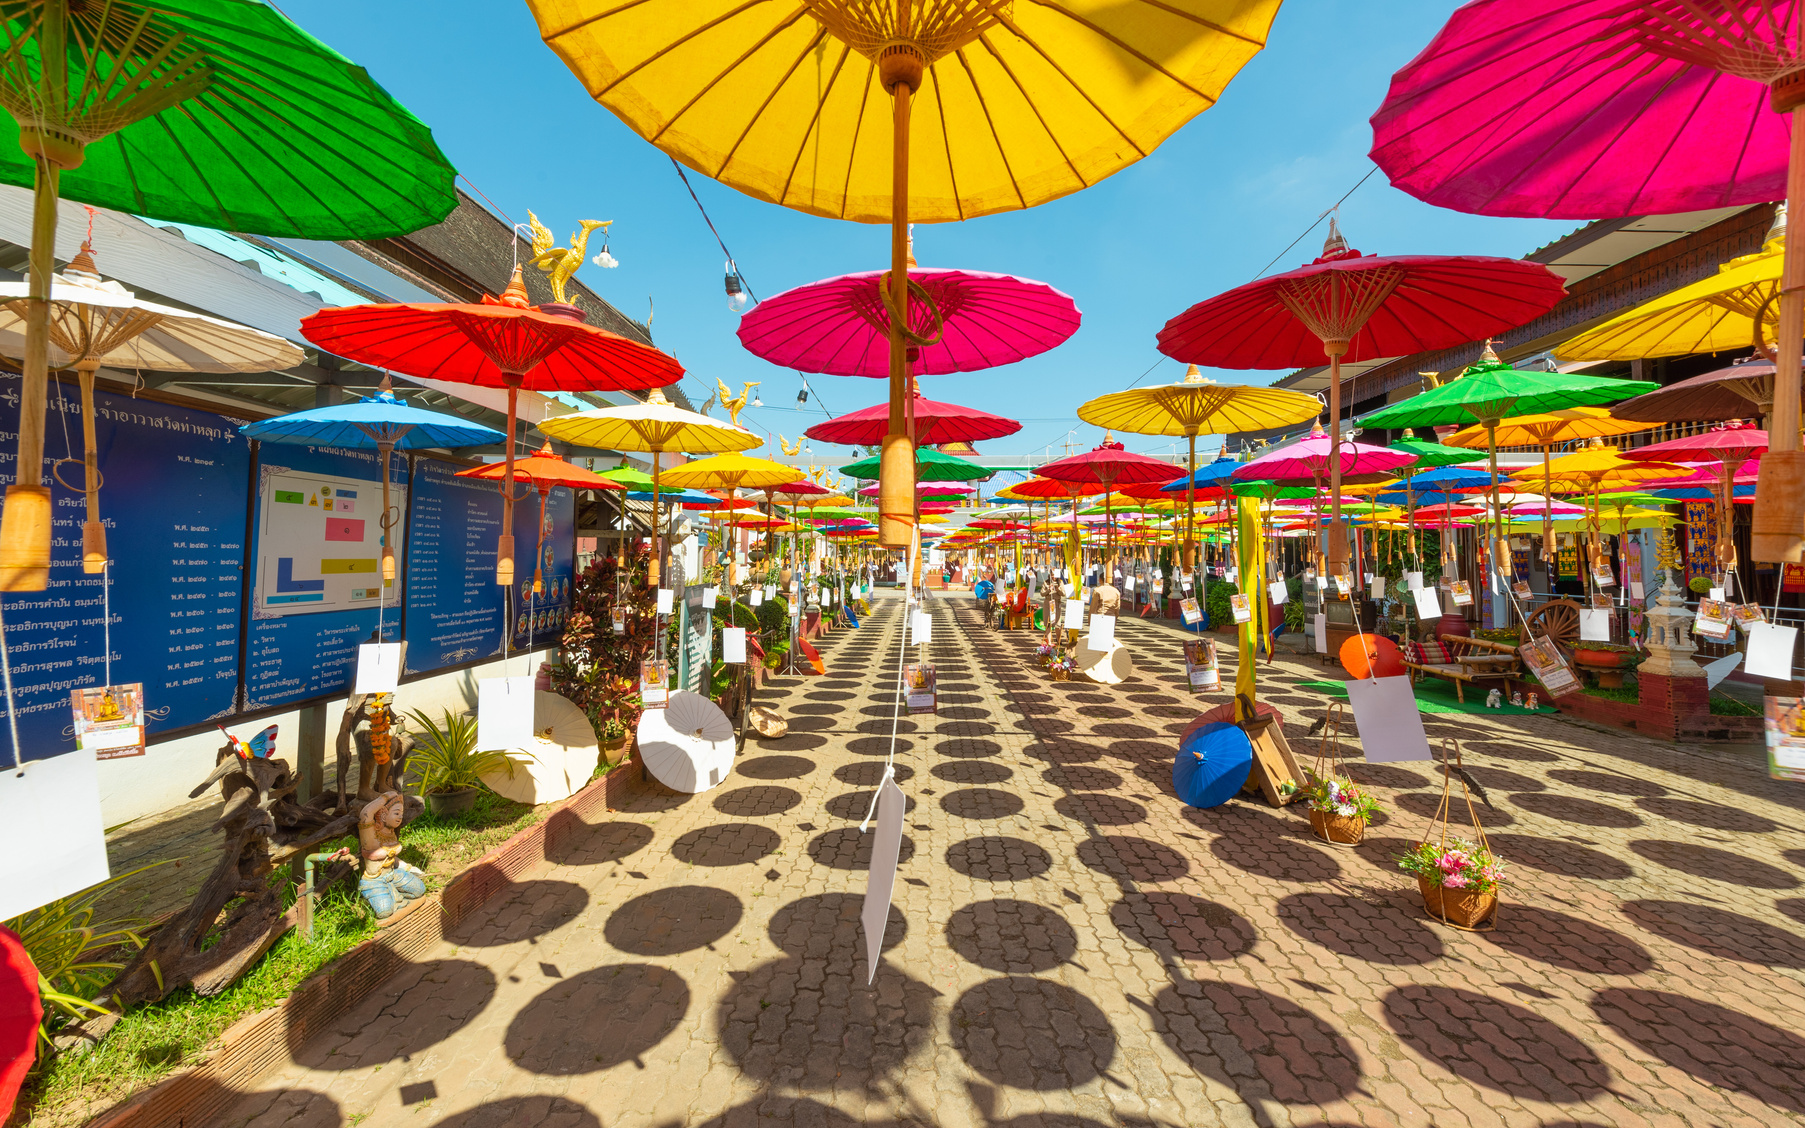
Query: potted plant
(1339, 809)
(1061, 666)
(1459, 880)
(450, 767)
(614, 740)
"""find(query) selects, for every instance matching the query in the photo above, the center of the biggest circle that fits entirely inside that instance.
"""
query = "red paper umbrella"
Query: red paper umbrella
(988, 523)
(935, 423)
(544, 470)
(1106, 466)
(503, 343)
(20, 1012)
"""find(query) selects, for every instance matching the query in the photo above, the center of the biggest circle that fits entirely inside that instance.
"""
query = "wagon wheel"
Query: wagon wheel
(1557, 619)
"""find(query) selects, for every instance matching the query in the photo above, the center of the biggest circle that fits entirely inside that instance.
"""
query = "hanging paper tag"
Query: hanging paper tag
(795, 609)
(1461, 591)
(758, 597)
(1602, 575)
(51, 814)
(618, 616)
(504, 713)
(919, 688)
(1428, 603)
(1637, 591)
(1549, 668)
(1594, 625)
(880, 883)
(1786, 738)
(654, 683)
(1322, 633)
(664, 601)
(109, 720)
(1413, 581)
(1074, 614)
(1770, 651)
(709, 595)
(1201, 664)
(1277, 592)
(1238, 603)
(921, 628)
(378, 668)
(1389, 719)
(733, 644)
(1717, 594)
(1192, 613)
(1103, 632)
(1520, 589)
(1378, 586)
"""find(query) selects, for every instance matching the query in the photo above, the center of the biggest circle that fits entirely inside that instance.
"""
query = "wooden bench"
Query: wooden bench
(1473, 660)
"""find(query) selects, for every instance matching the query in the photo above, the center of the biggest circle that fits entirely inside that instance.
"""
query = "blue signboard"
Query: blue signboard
(175, 488)
(455, 611)
(317, 591)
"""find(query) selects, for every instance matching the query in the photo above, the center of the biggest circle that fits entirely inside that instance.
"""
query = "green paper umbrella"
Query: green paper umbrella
(220, 113)
(930, 466)
(627, 476)
(1430, 455)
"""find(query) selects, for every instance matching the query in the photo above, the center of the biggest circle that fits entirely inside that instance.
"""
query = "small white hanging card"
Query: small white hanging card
(1770, 650)
(1128, 583)
(1322, 633)
(378, 667)
(1390, 724)
(1428, 603)
(51, 815)
(1413, 581)
(795, 608)
(504, 713)
(709, 595)
(664, 601)
(770, 591)
(1594, 625)
(1277, 592)
(1378, 586)
(1074, 614)
(886, 848)
(1717, 593)
(1636, 591)
(921, 628)
(758, 597)
(1103, 632)
(733, 644)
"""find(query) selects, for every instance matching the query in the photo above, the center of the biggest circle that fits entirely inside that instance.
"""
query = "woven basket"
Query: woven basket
(1458, 907)
(1345, 830)
(1061, 675)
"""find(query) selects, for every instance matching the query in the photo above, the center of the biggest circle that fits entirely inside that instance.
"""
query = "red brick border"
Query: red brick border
(259, 1043)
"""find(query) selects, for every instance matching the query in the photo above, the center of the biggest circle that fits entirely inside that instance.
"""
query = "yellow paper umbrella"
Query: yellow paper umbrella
(1019, 104)
(1596, 469)
(1198, 406)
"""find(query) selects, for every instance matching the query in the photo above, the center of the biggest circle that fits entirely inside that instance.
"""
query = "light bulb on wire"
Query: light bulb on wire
(604, 259)
(737, 301)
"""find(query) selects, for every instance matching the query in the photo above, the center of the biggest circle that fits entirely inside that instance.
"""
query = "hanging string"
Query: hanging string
(902, 654)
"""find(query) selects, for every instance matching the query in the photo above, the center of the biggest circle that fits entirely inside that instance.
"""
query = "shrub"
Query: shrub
(446, 756)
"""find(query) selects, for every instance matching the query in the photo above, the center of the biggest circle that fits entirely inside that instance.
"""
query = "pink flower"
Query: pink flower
(1455, 881)
(1452, 862)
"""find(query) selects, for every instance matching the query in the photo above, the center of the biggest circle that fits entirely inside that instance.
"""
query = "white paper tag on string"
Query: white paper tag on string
(1074, 614)
(1413, 581)
(709, 596)
(1103, 632)
(1428, 603)
(921, 628)
(1277, 592)
(1594, 625)
(1322, 633)
(504, 713)
(796, 609)
(1636, 590)
(378, 668)
(1378, 586)
(664, 601)
(51, 814)
(1390, 723)
(733, 644)
(1770, 650)
(770, 591)
(1717, 593)
(880, 884)
(758, 597)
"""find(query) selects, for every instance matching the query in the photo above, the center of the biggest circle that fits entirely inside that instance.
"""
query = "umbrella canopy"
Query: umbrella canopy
(1309, 460)
(1727, 312)
(731, 471)
(686, 499)
(1107, 464)
(1730, 444)
(1217, 474)
(1702, 476)
(503, 342)
(930, 466)
(1046, 489)
(935, 423)
(382, 422)
(1597, 464)
(1490, 391)
(1430, 454)
(1744, 389)
(975, 320)
(1548, 428)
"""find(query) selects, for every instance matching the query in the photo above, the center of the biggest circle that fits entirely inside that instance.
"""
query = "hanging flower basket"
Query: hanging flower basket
(1459, 878)
(1339, 807)
(1343, 830)
(1461, 908)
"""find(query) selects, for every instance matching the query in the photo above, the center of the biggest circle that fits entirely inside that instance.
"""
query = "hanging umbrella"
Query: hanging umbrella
(1196, 406)
(380, 421)
(689, 744)
(1430, 455)
(930, 466)
(1515, 107)
(221, 113)
(1074, 94)
(935, 423)
(505, 342)
(1350, 306)
(1741, 391)
(543, 470)
(734, 471)
(94, 323)
(1727, 445)
(1598, 469)
(1106, 465)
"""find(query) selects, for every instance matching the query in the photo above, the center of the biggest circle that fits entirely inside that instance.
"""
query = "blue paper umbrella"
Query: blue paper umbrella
(1212, 764)
(381, 422)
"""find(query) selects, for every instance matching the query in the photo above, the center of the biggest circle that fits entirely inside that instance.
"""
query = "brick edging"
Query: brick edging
(259, 1043)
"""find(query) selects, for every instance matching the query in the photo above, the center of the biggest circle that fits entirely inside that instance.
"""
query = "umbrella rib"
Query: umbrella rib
(776, 89)
(984, 105)
(722, 74)
(1076, 88)
(814, 121)
(858, 133)
(1152, 64)
(946, 134)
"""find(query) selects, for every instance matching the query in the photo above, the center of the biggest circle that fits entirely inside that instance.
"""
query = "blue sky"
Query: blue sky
(1206, 212)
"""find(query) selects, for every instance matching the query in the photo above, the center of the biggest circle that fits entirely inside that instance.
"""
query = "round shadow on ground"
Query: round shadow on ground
(1608, 782)
(1018, 937)
(877, 745)
(1387, 775)
(1101, 809)
(856, 805)
(814, 927)
(597, 1019)
(757, 802)
(1716, 932)
(971, 771)
(996, 858)
(1504, 749)
(1584, 812)
(514, 1112)
(1793, 907)
(1481, 1040)
(522, 911)
(1244, 1025)
(1374, 932)
(1553, 855)
(1126, 857)
(965, 747)
(676, 919)
(1711, 816)
(468, 987)
(1030, 1033)
(1718, 865)
(1082, 777)
(726, 844)
(1566, 941)
(774, 767)
(1178, 926)
(1263, 844)
(792, 742)
(869, 773)
(981, 803)
(1424, 804)
(597, 845)
(848, 849)
(1497, 779)
(1739, 1052)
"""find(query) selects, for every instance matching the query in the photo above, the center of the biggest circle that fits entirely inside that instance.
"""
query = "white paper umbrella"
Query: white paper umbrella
(1110, 667)
(559, 759)
(687, 745)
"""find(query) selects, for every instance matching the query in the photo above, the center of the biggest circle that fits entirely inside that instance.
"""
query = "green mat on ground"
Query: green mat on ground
(1434, 695)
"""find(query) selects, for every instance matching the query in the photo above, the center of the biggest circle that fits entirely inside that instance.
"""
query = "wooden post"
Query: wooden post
(1777, 532)
(504, 547)
(25, 520)
(900, 70)
(93, 533)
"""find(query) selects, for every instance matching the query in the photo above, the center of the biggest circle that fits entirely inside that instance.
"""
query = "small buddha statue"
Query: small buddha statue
(109, 708)
(388, 882)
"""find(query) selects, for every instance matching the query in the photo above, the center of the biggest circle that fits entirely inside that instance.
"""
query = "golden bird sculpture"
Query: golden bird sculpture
(735, 404)
(792, 451)
(560, 263)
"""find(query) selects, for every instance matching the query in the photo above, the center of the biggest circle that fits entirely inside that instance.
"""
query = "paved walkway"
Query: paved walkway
(1072, 947)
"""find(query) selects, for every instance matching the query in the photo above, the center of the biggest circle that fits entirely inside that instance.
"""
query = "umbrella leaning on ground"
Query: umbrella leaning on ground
(222, 113)
(93, 322)
(380, 421)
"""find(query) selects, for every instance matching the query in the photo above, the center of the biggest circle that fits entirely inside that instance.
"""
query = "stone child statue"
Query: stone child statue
(388, 882)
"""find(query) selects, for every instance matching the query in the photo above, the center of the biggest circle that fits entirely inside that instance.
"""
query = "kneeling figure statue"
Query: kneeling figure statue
(388, 882)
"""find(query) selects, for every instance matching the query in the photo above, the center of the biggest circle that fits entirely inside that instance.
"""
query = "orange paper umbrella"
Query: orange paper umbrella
(543, 470)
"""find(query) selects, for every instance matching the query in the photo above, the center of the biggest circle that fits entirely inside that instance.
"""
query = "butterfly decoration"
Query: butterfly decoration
(260, 747)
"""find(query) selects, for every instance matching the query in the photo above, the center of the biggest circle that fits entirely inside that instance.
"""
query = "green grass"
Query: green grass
(155, 1040)
(1627, 693)
(1722, 706)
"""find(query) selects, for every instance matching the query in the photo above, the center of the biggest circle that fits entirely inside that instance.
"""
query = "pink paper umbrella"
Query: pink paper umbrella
(1731, 447)
(1600, 108)
(935, 423)
(841, 326)
(1307, 461)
